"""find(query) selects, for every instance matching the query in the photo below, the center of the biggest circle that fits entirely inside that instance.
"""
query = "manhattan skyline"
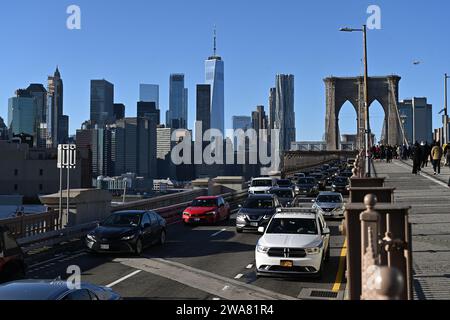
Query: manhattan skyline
(292, 37)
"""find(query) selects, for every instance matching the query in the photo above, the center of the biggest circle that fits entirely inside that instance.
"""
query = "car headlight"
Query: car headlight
(90, 237)
(262, 249)
(126, 238)
(267, 217)
(240, 217)
(334, 186)
(186, 214)
(312, 250)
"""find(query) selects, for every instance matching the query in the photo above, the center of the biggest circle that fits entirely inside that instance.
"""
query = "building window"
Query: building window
(16, 172)
(41, 172)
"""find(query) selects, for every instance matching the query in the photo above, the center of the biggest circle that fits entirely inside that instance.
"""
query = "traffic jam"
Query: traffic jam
(289, 217)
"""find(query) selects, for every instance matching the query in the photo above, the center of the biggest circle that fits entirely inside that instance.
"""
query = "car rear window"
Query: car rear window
(259, 204)
(204, 203)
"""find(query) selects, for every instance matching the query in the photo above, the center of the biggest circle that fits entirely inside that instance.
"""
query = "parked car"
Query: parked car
(261, 185)
(208, 209)
(341, 185)
(128, 231)
(12, 264)
(296, 242)
(307, 187)
(285, 195)
(329, 204)
(256, 212)
(31, 290)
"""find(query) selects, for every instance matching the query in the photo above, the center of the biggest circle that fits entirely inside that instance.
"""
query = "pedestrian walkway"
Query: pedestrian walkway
(429, 198)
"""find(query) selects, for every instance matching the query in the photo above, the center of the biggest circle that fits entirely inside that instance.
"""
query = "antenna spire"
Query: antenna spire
(215, 41)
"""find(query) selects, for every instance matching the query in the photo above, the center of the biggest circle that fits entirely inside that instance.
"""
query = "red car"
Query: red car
(207, 210)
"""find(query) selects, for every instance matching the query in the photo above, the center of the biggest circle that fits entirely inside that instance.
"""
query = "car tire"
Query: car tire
(162, 238)
(239, 230)
(139, 248)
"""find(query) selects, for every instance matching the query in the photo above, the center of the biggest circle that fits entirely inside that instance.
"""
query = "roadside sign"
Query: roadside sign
(67, 156)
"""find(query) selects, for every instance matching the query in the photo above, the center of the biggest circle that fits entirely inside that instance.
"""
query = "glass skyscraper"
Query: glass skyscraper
(178, 104)
(214, 74)
(149, 93)
(102, 103)
(284, 110)
(22, 114)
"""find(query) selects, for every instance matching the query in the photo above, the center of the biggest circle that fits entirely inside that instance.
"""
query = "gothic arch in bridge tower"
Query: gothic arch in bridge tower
(340, 90)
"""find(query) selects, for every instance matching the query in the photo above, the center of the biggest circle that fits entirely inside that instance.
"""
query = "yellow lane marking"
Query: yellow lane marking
(341, 268)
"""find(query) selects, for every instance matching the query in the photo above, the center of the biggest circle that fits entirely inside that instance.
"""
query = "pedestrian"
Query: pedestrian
(416, 153)
(436, 156)
(447, 155)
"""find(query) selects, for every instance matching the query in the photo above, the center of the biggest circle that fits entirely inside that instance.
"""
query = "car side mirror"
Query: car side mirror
(261, 229)
(326, 231)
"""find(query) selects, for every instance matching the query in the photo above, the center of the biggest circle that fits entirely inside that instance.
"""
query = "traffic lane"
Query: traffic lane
(231, 254)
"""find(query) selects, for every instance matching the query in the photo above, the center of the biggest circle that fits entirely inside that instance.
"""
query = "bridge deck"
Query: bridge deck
(429, 197)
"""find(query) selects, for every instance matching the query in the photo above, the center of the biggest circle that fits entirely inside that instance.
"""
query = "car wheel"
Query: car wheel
(239, 230)
(139, 247)
(162, 237)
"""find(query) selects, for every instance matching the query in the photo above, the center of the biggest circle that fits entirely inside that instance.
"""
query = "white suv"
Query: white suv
(296, 242)
(261, 185)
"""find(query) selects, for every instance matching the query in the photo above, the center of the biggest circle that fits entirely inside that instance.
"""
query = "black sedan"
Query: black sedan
(128, 231)
(341, 185)
(307, 187)
(32, 290)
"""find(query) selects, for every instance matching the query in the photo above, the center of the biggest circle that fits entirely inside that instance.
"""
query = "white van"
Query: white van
(262, 185)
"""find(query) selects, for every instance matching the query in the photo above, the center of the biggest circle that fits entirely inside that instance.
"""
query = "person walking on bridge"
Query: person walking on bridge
(436, 156)
(417, 158)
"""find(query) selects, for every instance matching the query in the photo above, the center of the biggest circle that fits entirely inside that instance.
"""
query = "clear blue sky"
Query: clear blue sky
(137, 41)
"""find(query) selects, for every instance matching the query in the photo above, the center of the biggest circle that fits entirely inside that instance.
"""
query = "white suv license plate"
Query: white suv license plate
(254, 224)
(104, 246)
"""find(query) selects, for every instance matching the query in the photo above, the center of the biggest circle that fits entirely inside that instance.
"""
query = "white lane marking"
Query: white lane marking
(123, 279)
(225, 288)
(46, 261)
(249, 266)
(240, 275)
(217, 233)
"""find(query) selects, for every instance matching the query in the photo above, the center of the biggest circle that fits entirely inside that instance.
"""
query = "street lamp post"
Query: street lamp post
(446, 138)
(367, 132)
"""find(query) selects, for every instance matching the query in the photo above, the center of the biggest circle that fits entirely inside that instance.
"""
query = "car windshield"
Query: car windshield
(283, 193)
(329, 199)
(262, 183)
(292, 226)
(259, 204)
(306, 181)
(341, 180)
(123, 220)
(204, 203)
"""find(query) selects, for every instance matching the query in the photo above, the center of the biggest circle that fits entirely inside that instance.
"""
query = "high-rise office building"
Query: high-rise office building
(148, 119)
(215, 76)
(284, 111)
(259, 119)
(272, 106)
(416, 116)
(39, 93)
(240, 122)
(102, 103)
(22, 114)
(3, 130)
(148, 110)
(149, 93)
(203, 113)
(176, 118)
(56, 134)
(164, 145)
(119, 111)
(102, 164)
